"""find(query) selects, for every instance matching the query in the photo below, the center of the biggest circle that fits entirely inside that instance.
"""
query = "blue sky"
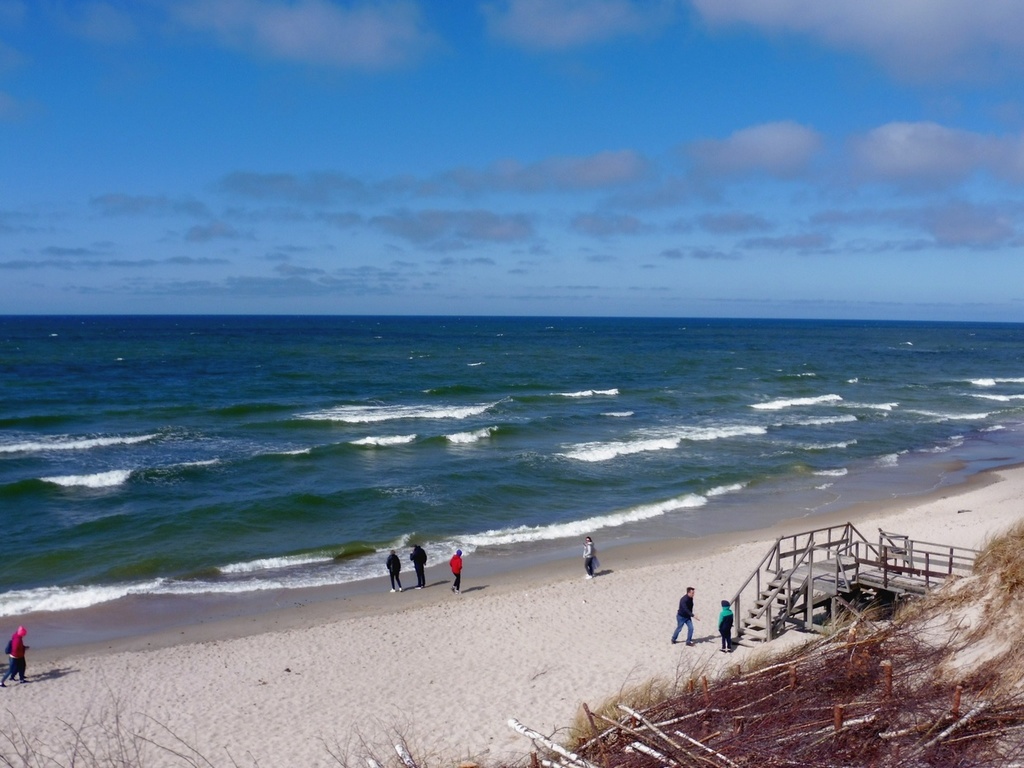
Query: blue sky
(721, 158)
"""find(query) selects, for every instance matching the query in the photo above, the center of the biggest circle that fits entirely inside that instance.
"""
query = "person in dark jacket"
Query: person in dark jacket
(419, 562)
(16, 653)
(394, 566)
(685, 617)
(725, 626)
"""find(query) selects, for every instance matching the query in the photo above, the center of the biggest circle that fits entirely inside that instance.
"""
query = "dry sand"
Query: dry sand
(444, 671)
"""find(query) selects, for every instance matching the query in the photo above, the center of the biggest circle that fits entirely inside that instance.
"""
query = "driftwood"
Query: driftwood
(558, 749)
(405, 757)
(816, 707)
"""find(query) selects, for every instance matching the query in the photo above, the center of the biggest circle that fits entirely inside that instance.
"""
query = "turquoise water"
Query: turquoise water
(220, 455)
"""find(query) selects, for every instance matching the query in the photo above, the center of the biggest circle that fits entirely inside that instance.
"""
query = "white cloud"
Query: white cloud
(557, 24)
(363, 35)
(784, 149)
(911, 38)
(928, 154)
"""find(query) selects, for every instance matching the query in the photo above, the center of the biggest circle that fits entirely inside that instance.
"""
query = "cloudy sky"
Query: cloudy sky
(729, 158)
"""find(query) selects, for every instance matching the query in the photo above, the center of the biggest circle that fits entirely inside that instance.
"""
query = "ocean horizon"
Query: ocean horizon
(164, 456)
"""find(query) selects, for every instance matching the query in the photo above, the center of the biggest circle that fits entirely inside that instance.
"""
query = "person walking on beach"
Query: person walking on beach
(16, 651)
(394, 566)
(589, 556)
(725, 626)
(419, 561)
(456, 564)
(685, 617)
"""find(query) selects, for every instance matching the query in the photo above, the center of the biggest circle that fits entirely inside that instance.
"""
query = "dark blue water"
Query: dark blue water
(192, 455)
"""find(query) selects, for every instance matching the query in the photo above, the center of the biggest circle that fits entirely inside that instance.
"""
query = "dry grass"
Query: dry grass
(1003, 559)
(941, 684)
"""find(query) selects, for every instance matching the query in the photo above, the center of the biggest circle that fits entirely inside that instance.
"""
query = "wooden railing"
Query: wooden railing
(847, 555)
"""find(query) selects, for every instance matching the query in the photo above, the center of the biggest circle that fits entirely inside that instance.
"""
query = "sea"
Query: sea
(155, 457)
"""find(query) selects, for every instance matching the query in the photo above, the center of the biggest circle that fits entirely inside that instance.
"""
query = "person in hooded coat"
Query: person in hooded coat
(456, 564)
(725, 619)
(16, 651)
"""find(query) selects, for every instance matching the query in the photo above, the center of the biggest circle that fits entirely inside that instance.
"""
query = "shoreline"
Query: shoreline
(446, 672)
(201, 618)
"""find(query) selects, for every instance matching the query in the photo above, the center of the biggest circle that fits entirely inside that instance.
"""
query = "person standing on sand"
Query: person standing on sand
(685, 617)
(419, 561)
(16, 650)
(394, 566)
(589, 556)
(456, 564)
(725, 626)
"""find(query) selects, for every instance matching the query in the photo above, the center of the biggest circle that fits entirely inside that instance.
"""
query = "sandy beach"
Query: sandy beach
(311, 685)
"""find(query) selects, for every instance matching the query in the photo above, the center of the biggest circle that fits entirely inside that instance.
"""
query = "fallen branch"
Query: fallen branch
(558, 749)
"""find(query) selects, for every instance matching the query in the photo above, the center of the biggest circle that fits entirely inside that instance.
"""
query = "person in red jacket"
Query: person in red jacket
(456, 564)
(16, 651)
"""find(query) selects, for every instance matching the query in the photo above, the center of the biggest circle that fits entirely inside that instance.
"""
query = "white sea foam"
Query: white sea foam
(950, 416)
(662, 442)
(999, 398)
(203, 463)
(829, 446)
(589, 393)
(474, 365)
(722, 490)
(618, 414)
(529, 533)
(109, 479)
(296, 452)
(777, 405)
(385, 440)
(889, 460)
(872, 406)
(841, 472)
(819, 421)
(273, 563)
(464, 438)
(606, 451)
(69, 443)
(372, 414)
(993, 382)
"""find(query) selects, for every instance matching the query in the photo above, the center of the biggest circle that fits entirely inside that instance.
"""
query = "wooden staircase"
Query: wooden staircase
(819, 570)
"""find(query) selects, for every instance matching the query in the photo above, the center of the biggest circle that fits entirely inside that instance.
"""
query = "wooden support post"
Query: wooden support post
(691, 685)
(533, 760)
(738, 724)
(956, 700)
(597, 734)
(704, 686)
(887, 677)
(837, 717)
(792, 677)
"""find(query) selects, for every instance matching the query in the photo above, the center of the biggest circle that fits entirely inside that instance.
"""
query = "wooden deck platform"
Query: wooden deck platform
(817, 571)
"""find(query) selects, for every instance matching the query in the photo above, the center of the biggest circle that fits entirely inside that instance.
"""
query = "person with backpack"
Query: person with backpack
(16, 651)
